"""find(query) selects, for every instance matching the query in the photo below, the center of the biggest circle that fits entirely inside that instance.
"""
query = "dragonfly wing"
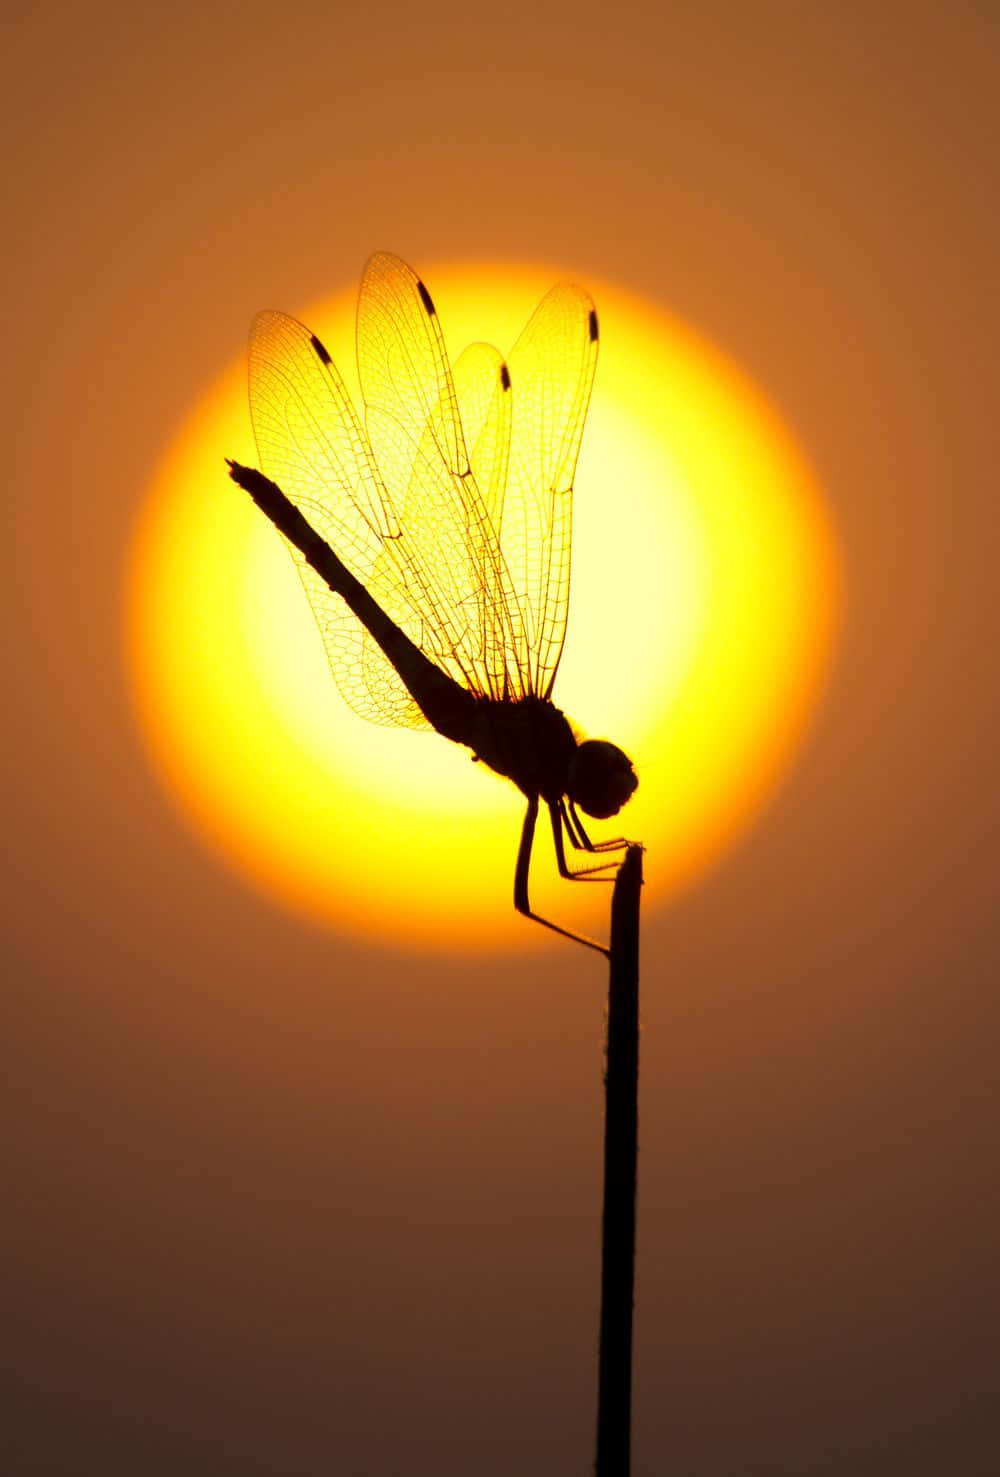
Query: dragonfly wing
(447, 553)
(460, 533)
(482, 387)
(311, 443)
(552, 371)
(482, 384)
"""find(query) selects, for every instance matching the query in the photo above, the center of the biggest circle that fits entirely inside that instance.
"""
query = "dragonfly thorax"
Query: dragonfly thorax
(532, 743)
(529, 741)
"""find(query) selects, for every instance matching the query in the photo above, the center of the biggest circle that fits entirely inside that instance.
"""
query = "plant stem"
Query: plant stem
(614, 1398)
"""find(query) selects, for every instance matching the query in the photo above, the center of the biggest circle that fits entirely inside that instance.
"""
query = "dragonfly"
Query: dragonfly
(433, 536)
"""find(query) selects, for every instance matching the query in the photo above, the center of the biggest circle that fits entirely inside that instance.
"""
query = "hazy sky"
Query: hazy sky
(280, 1205)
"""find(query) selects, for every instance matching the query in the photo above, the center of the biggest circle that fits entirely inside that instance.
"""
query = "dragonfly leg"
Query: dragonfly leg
(617, 843)
(581, 874)
(582, 842)
(577, 837)
(521, 882)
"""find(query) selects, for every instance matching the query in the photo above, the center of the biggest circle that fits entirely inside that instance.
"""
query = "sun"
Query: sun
(704, 609)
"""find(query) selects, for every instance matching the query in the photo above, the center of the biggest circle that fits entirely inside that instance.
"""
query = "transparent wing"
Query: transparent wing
(452, 503)
(447, 553)
(551, 371)
(311, 443)
(482, 384)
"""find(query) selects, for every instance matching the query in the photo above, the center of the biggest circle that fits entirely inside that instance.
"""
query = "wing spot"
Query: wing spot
(592, 325)
(504, 377)
(320, 348)
(425, 297)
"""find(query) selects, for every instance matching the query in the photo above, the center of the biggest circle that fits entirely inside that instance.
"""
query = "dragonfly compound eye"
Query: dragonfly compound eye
(601, 778)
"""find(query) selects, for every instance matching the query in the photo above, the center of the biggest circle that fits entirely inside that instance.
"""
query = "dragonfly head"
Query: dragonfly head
(601, 778)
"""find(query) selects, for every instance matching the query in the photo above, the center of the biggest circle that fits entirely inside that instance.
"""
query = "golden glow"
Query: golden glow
(704, 605)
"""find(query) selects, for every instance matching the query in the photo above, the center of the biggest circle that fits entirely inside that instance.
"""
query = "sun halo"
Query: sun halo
(704, 606)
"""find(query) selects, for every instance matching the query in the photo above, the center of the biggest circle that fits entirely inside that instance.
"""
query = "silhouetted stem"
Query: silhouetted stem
(614, 1397)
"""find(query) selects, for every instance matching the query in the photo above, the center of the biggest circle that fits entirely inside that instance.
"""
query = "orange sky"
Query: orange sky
(277, 1203)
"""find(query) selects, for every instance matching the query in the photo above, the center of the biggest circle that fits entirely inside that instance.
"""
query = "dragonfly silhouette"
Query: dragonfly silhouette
(433, 540)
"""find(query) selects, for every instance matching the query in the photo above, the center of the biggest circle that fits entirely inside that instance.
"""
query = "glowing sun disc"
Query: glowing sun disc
(704, 606)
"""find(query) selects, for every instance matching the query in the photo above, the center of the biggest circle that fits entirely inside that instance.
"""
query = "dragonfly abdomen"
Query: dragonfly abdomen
(445, 704)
